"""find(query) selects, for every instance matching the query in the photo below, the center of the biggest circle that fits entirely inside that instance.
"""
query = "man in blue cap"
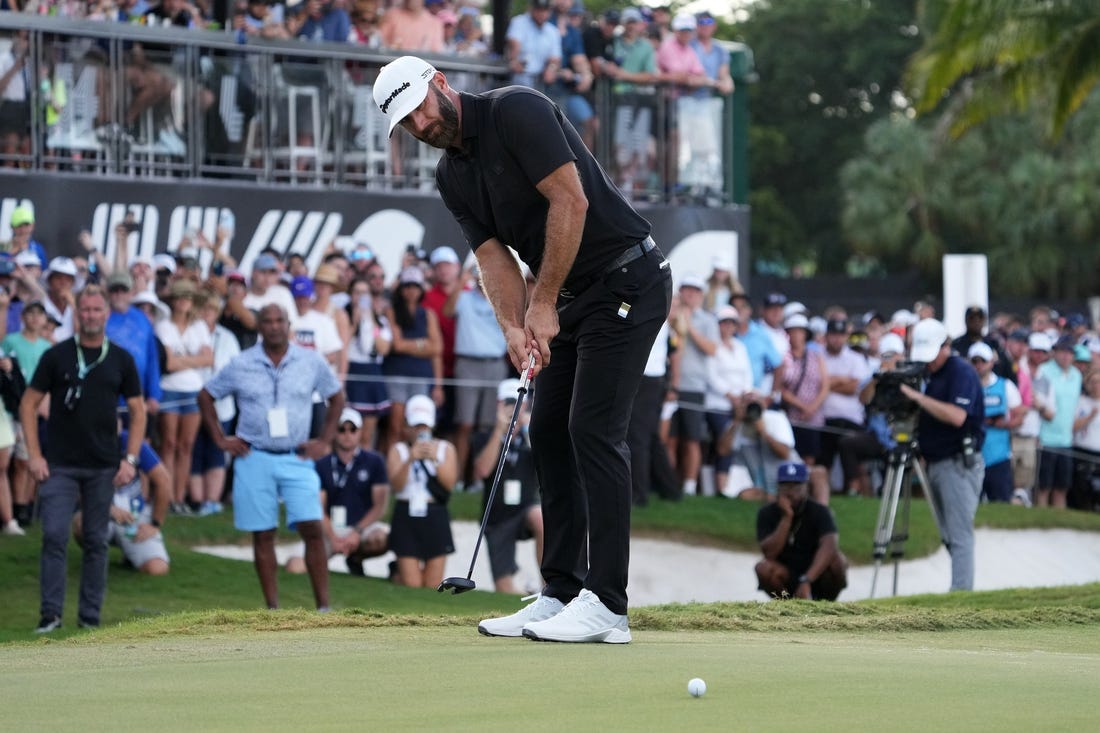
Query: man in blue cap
(798, 536)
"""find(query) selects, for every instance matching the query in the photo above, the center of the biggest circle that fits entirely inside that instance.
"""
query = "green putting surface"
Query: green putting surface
(436, 678)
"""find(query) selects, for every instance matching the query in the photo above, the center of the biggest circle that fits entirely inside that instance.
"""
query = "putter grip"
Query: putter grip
(528, 374)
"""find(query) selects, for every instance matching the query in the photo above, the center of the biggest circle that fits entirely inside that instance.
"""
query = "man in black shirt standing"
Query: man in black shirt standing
(84, 377)
(799, 539)
(516, 174)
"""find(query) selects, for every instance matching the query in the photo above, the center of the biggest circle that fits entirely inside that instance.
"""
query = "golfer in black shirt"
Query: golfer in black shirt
(516, 174)
(84, 377)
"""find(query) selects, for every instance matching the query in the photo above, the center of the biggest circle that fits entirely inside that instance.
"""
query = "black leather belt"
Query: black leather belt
(630, 254)
(288, 451)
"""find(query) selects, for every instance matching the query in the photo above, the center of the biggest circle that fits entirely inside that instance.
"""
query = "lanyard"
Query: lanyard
(274, 372)
(340, 479)
(83, 368)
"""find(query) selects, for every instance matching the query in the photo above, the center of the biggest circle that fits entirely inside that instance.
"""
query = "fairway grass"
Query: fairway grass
(450, 678)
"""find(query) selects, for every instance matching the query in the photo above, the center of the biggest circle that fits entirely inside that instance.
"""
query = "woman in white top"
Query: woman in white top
(729, 375)
(188, 349)
(422, 472)
(207, 460)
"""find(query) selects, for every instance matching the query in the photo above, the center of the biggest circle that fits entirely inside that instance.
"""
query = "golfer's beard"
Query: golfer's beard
(442, 134)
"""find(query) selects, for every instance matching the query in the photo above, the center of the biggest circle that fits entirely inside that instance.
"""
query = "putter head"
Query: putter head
(456, 585)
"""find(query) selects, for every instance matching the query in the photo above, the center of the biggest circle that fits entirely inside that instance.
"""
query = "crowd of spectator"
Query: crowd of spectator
(623, 56)
(746, 395)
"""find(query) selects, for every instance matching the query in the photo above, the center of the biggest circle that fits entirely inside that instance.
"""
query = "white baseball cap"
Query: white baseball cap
(352, 416)
(27, 258)
(61, 266)
(508, 390)
(728, 313)
(796, 320)
(684, 22)
(891, 343)
(1040, 341)
(420, 410)
(401, 86)
(980, 350)
(794, 307)
(443, 254)
(929, 336)
(691, 280)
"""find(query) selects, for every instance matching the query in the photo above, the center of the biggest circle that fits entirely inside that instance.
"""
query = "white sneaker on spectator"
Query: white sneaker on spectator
(585, 619)
(543, 608)
(13, 528)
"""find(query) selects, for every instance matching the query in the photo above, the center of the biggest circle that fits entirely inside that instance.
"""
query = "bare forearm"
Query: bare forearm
(564, 226)
(826, 551)
(772, 545)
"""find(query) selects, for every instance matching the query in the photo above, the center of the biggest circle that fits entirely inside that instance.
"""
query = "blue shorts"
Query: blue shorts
(206, 455)
(261, 479)
(179, 403)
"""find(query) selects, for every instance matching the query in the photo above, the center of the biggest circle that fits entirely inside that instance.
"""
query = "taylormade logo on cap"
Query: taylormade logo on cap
(401, 86)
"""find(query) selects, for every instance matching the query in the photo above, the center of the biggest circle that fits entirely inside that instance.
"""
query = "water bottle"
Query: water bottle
(137, 503)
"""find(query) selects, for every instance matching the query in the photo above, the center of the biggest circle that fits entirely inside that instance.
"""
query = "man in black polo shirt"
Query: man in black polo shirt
(950, 433)
(516, 174)
(84, 377)
(799, 540)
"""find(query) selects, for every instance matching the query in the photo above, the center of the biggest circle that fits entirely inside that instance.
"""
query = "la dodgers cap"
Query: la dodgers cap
(792, 473)
(401, 86)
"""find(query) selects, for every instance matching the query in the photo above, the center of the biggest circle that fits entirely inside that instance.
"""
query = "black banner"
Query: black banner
(304, 219)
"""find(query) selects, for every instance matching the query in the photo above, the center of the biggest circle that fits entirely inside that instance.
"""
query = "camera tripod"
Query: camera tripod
(902, 463)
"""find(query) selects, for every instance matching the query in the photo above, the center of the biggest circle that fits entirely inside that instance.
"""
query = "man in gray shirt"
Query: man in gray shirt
(697, 330)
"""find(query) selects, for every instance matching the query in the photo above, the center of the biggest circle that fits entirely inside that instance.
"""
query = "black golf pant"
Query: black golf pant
(579, 422)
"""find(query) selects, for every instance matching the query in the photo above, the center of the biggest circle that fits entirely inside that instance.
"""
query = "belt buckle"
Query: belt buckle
(566, 294)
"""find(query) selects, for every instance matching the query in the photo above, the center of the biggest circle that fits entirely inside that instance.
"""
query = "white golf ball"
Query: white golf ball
(697, 687)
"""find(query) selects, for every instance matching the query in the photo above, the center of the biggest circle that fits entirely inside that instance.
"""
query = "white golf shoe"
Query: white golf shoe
(585, 619)
(543, 608)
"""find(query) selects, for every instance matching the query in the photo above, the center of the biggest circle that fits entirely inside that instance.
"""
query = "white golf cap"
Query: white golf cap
(164, 261)
(148, 296)
(61, 266)
(796, 320)
(401, 86)
(929, 336)
(794, 307)
(980, 350)
(1040, 341)
(891, 343)
(351, 416)
(28, 258)
(721, 262)
(443, 254)
(420, 410)
(684, 22)
(728, 313)
(508, 390)
(691, 280)
(903, 318)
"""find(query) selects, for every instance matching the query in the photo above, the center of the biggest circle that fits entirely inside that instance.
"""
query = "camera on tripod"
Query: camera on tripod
(889, 399)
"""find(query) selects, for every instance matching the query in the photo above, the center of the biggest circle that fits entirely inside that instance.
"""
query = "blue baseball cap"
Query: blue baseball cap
(301, 287)
(265, 263)
(792, 473)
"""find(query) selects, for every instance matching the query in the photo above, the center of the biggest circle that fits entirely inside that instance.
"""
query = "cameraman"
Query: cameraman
(952, 413)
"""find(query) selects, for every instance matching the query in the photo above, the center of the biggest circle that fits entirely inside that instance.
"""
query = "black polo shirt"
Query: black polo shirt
(512, 139)
(85, 435)
(956, 383)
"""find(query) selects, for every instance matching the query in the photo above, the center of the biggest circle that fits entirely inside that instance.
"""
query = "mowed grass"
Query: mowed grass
(449, 678)
(190, 651)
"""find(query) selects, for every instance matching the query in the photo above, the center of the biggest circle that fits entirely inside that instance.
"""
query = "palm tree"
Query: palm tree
(986, 57)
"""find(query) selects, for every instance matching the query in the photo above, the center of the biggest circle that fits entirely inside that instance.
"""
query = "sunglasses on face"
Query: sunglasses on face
(348, 429)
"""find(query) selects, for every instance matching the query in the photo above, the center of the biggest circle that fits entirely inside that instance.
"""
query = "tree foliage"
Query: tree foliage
(987, 57)
(1032, 205)
(826, 70)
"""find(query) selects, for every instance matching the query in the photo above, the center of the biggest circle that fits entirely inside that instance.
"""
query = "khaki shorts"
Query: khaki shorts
(1025, 456)
(7, 432)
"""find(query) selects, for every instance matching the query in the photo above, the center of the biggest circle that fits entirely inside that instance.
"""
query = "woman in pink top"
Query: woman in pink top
(409, 27)
(802, 381)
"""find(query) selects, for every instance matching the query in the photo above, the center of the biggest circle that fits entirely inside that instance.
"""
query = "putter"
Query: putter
(460, 585)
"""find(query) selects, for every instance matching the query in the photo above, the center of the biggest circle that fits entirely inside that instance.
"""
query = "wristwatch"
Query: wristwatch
(804, 579)
(132, 459)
